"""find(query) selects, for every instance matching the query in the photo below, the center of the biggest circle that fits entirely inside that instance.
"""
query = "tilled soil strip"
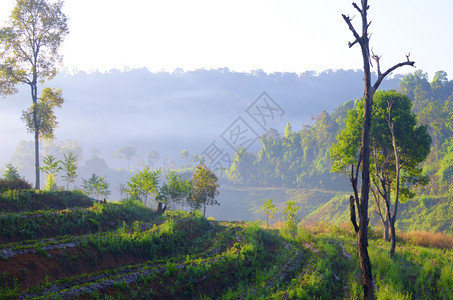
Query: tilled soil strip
(99, 282)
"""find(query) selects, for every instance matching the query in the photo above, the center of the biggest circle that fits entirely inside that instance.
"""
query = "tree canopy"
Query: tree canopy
(29, 55)
(205, 188)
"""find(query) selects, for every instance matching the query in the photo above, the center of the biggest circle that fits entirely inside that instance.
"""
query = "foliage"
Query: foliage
(433, 105)
(269, 210)
(397, 145)
(175, 191)
(15, 200)
(239, 172)
(11, 172)
(96, 186)
(51, 168)
(294, 160)
(70, 168)
(51, 184)
(45, 118)
(290, 215)
(14, 184)
(205, 188)
(144, 184)
(29, 55)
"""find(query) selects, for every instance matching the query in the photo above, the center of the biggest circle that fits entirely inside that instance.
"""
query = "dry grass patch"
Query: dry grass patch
(428, 239)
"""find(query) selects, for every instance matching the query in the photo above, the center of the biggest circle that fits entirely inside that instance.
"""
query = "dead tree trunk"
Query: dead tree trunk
(363, 162)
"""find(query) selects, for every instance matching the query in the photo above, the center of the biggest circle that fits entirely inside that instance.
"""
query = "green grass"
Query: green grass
(127, 251)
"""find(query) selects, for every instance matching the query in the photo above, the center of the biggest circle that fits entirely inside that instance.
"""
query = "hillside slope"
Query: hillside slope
(124, 250)
(426, 213)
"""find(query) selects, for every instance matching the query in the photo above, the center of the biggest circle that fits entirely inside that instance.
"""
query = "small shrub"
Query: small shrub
(303, 235)
(170, 270)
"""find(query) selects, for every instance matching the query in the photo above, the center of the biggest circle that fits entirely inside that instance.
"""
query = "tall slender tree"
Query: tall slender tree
(70, 168)
(363, 162)
(29, 53)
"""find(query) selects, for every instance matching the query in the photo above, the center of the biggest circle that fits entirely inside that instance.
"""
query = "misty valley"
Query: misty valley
(220, 184)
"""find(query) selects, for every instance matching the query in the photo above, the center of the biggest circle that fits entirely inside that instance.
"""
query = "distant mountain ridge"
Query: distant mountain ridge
(169, 112)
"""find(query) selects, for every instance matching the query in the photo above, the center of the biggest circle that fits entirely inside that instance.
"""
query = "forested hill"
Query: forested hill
(301, 158)
(169, 112)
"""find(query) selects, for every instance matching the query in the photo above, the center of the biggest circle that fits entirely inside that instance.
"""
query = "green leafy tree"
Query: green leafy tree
(41, 114)
(288, 130)
(11, 172)
(51, 165)
(29, 54)
(269, 210)
(176, 191)
(143, 184)
(205, 188)
(241, 171)
(96, 186)
(70, 168)
(51, 183)
(127, 152)
(51, 168)
(397, 145)
(290, 215)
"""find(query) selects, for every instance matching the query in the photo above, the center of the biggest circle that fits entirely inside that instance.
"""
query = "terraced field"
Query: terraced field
(125, 250)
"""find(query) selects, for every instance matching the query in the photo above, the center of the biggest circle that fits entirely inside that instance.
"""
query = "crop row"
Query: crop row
(185, 276)
(15, 227)
(137, 242)
(31, 200)
(62, 242)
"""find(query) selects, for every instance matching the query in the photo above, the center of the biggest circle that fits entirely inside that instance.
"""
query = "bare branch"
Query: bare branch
(357, 7)
(352, 44)
(399, 65)
(377, 58)
(347, 19)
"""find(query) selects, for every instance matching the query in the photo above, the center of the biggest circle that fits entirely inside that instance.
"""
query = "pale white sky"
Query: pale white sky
(243, 35)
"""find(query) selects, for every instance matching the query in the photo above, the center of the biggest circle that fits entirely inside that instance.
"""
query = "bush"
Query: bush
(14, 184)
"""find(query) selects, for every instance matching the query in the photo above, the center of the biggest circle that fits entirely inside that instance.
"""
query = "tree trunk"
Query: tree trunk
(363, 40)
(204, 210)
(397, 181)
(393, 239)
(386, 230)
(362, 235)
(365, 264)
(161, 208)
(34, 96)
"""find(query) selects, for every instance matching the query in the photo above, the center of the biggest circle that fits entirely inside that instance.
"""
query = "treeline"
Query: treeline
(296, 159)
(301, 158)
(433, 104)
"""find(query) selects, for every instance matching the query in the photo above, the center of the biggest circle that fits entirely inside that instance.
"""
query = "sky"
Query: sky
(245, 35)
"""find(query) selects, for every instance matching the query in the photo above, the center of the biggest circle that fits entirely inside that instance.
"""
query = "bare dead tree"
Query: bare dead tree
(360, 202)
